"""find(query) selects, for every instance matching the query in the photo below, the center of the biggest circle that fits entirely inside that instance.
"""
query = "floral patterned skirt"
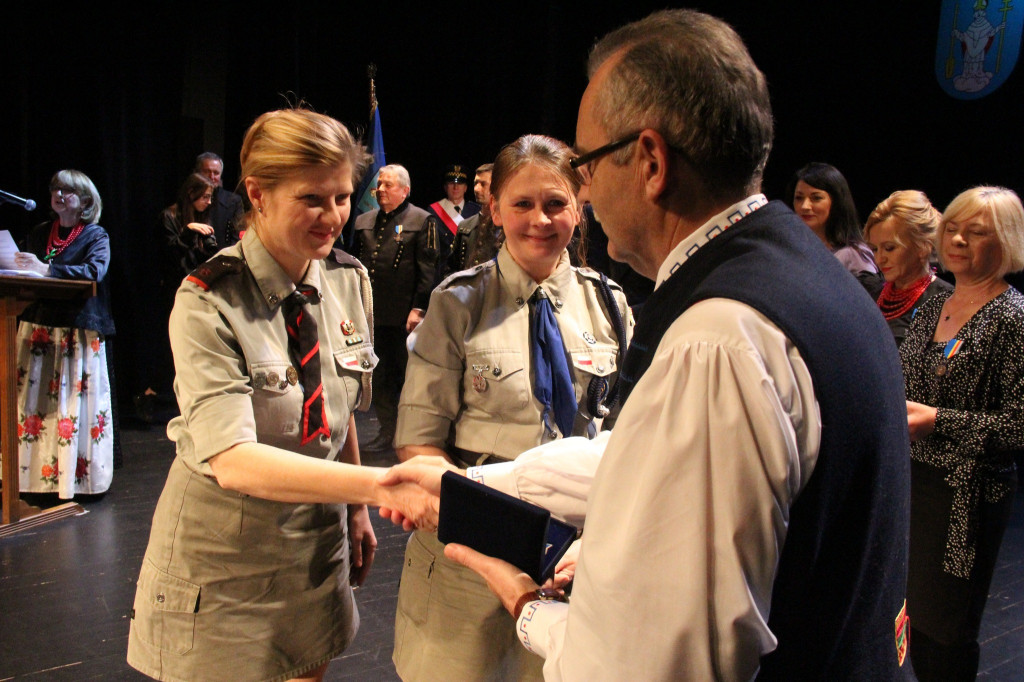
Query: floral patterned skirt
(65, 434)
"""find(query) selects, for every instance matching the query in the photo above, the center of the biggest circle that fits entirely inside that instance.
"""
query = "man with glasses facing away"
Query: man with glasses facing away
(749, 514)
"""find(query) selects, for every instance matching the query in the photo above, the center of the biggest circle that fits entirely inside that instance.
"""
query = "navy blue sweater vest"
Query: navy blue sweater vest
(841, 578)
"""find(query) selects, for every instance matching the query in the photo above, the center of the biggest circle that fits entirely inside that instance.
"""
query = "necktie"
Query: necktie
(552, 382)
(458, 209)
(304, 345)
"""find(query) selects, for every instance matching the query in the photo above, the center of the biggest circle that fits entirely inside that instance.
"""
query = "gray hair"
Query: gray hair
(690, 77)
(400, 173)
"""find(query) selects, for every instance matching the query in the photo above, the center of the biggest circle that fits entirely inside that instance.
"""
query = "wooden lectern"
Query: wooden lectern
(15, 295)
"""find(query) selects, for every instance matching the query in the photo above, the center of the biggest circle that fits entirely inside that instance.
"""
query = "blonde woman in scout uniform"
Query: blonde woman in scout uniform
(481, 387)
(262, 523)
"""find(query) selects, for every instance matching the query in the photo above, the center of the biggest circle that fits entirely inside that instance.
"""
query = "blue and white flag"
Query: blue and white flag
(367, 199)
(978, 45)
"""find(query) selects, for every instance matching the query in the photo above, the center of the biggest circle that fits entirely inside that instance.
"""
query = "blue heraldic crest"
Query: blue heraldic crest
(978, 45)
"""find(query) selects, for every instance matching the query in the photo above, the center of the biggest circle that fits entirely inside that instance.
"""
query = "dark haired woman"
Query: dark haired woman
(479, 389)
(184, 223)
(820, 195)
(66, 428)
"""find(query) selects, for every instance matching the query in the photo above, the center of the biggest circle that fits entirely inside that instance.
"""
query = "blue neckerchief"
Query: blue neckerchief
(552, 381)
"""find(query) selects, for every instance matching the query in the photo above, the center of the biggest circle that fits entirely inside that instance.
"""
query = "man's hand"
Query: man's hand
(920, 420)
(364, 543)
(565, 569)
(414, 319)
(505, 580)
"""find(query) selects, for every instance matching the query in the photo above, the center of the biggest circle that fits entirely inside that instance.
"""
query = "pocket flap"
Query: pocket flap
(597, 361)
(164, 592)
(276, 377)
(496, 365)
(361, 359)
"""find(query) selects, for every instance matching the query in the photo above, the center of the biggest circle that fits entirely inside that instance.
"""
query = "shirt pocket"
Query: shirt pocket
(276, 396)
(497, 381)
(165, 609)
(355, 367)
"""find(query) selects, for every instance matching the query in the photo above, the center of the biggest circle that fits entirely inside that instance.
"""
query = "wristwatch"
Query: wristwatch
(540, 594)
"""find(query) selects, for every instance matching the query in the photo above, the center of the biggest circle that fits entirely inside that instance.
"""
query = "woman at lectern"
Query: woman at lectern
(66, 426)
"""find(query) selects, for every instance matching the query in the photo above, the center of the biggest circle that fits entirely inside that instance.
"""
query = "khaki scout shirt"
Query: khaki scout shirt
(235, 380)
(470, 364)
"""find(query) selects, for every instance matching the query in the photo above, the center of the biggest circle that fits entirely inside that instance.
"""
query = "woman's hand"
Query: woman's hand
(28, 261)
(920, 420)
(201, 228)
(364, 543)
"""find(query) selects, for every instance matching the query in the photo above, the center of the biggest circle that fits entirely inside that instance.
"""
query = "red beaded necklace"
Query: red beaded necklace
(55, 245)
(897, 302)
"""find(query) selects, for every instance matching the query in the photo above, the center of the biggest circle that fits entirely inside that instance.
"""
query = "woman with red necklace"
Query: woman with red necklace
(65, 419)
(899, 233)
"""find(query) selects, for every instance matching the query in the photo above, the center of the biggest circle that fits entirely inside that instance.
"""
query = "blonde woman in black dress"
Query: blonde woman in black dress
(964, 368)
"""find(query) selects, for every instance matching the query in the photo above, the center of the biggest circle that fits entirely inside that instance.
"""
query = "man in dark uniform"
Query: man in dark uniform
(399, 247)
(447, 214)
(226, 210)
(476, 239)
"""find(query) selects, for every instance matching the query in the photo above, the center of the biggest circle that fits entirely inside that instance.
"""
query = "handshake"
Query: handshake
(410, 496)
(410, 492)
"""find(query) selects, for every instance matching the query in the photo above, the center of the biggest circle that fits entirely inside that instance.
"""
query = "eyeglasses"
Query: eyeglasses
(62, 191)
(584, 164)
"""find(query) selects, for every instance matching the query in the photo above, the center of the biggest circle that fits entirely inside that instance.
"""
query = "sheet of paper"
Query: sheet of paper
(7, 250)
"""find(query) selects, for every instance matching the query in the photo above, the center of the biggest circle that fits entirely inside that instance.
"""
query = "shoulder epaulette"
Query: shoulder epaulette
(465, 274)
(212, 270)
(595, 276)
(342, 257)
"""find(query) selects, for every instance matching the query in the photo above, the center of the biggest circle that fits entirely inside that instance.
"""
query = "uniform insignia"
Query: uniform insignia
(398, 233)
(259, 380)
(480, 369)
(350, 362)
(273, 378)
(479, 383)
(212, 270)
(354, 341)
(589, 338)
(293, 376)
(348, 328)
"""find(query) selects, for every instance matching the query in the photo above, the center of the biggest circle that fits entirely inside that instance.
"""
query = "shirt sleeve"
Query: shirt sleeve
(556, 475)
(211, 381)
(689, 509)
(432, 393)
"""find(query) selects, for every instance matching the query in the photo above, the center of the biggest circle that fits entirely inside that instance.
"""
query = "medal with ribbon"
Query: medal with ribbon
(951, 349)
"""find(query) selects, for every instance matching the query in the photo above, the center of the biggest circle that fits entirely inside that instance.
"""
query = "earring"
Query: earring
(259, 209)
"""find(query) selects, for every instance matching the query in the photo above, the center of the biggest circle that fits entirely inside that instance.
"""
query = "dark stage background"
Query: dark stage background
(131, 97)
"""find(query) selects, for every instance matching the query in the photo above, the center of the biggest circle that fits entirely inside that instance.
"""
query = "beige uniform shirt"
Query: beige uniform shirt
(470, 364)
(234, 586)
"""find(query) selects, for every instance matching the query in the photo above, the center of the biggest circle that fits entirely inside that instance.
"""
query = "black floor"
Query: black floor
(66, 588)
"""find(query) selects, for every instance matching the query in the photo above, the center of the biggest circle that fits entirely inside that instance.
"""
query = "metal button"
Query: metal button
(273, 299)
(160, 599)
(496, 371)
(558, 303)
(600, 368)
(365, 364)
(520, 301)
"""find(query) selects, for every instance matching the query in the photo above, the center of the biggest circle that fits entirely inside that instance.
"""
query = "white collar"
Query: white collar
(706, 233)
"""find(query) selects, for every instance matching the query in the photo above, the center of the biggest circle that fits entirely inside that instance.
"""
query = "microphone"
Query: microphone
(9, 198)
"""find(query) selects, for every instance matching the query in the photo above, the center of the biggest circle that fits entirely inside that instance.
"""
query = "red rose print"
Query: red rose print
(65, 428)
(33, 425)
(40, 335)
(82, 467)
(95, 345)
(95, 432)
